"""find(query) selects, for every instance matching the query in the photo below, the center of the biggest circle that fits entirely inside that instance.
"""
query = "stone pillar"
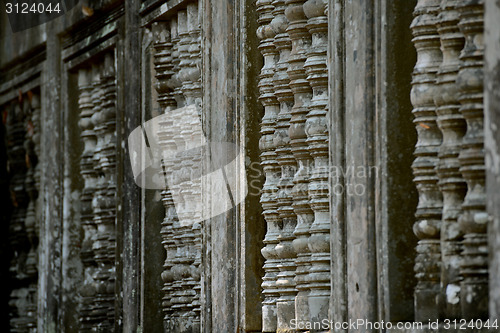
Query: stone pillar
(23, 147)
(429, 209)
(301, 41)
(451, 183)
(178, 83)
(269, 164)
(87, 291)
(97, 104)
(473, 220)
(316, 128)
(492, 146)
(285, 282)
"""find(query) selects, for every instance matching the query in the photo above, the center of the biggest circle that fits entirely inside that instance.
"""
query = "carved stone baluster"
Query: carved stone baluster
(163, 61)
(183, 294)
(168, 231)
(177, 268)
(285, 279)
(87, 291)
(269, 164)
(177, 85)
(302, 92)
(317, 139)
(192, 57)
(451, 183)
(183, 20)
(36, 125)
(187, 20)
(473, 221)
(429, 209)
(183, 54)
(100, 303)
(30, 220)
(193, 93)
(186, 216)
(180, 299)
(164, 71)
(175, 81)
(108, 165)
(19, 243)
(179, 259)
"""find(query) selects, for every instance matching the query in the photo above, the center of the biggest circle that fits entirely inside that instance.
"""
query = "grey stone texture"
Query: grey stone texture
(370, 134)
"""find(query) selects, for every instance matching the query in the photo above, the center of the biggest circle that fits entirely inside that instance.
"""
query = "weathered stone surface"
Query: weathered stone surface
(311, 91)
(429, 209)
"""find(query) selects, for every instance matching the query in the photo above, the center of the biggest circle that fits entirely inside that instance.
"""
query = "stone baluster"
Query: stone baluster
(285, 283)
(473, 221)
(192, 76)
(30, 222)
(451, 183)
(302, 92)
(169, 237)
(184, 55)
(101, 275)
(178, 82)
(174, 82)
(108, 166)
(164, 72)
(316, 128)
(87, 291)
(164, 66)
(189, 277)
(429, 209)
(178, 271)
(18, 238)
(193, 94)
(186, 216)
(177, 25)
(269, 164)
(36, 119)
(182, 297)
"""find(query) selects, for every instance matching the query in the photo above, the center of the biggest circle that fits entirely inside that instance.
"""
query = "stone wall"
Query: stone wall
(366, 184)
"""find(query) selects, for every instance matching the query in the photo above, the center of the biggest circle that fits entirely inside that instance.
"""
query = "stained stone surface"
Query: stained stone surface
(369, 137)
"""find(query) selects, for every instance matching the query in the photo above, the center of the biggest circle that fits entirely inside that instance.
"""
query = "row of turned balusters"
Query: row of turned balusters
(447, 95)
(177, 61)
(97, 104)
(22, 123)
(294, 152)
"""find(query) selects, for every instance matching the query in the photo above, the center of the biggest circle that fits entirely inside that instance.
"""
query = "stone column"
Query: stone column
(269, 164)
(87, 290)
(21, 270)
(473, 220)
(32, 184)
(429, 209)
(492, 147)
(104, 201)
(302, 92)
(316, 128)
(451, 183)
(285, 282)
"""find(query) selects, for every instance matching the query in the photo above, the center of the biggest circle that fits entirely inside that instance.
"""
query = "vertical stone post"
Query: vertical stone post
(492, 146)
(316, 128)
(451, 183)
(429, 209)
(286, 255)
(270, 165)
(87, 290)
(473, 221)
